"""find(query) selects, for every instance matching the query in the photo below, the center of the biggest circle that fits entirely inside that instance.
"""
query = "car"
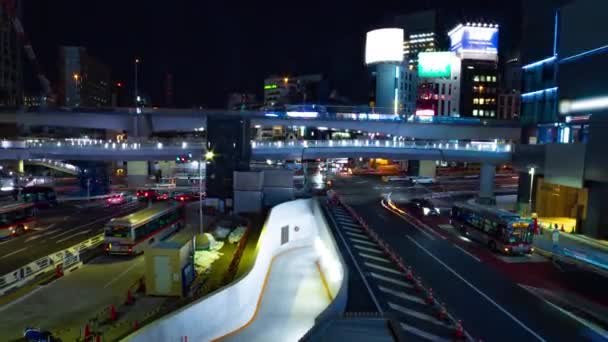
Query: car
(37, 335)
(423, 207)
(116, 199)
(163, 195)
(145, 194)
(187, 196)
(423, 180)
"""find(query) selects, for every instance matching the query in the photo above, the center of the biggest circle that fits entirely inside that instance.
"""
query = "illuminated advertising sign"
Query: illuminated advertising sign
(384, 45)
(474, 38)
(270, 86)
(435, 64)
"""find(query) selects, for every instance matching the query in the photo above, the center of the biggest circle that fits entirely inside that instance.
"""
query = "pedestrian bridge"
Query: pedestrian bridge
(144, 122)
(99, 150)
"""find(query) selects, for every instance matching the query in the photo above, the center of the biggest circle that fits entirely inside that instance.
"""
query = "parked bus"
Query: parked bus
(16, 219)
(133, 233)
(40, 196)
(500, 230)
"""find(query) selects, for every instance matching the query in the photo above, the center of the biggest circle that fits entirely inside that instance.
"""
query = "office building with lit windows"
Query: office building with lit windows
(476, 44)
(421, 34)
(84, 81)
(439, 84)
(563, 161)
(284, 90)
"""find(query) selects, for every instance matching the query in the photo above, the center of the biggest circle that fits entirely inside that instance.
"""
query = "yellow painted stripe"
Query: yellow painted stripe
(324, 281)
(257, 306)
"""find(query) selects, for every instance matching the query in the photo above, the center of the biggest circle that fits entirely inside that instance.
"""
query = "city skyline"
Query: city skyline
(292, 44)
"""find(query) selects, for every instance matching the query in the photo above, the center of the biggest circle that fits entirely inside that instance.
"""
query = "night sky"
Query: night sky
(216, 47)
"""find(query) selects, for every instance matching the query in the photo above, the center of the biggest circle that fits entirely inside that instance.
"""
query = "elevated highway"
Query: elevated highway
(145, 122)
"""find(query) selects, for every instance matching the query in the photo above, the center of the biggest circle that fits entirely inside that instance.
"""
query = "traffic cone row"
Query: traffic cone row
(459, 331)
(443, 312)
(429, 297)
(409, 275)
(112, 313)
(130, 298)
(418, 284)
(87, 332)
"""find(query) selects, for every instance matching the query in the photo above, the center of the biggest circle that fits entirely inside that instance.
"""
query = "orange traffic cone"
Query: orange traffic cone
(135, 325)
(112, 313)
(459, 333)
(429, 297)
(443, 313)
(87, 332)
(129, 297)
(409, 275)
(418, 284)
(97, 338)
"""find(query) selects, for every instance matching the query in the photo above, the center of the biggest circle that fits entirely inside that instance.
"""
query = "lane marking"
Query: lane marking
(373, 250)
(422, 334)
(13, 252)
(391, 280)
(365, 242)
(352, 229)
(467, 253)
(427, 234)
(73, 235)
(355, 235)
(402, 295)
(382, 268)
(417, 314)
(477, 290)
(137, 262)
(365, 255)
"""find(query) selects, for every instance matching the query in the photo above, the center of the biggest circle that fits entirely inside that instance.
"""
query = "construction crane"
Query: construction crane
(10, 9)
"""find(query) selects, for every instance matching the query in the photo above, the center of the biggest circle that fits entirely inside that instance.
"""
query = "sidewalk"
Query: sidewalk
(578, 247)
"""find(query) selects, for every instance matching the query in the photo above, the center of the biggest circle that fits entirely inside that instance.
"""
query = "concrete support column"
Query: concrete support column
(137, 173)
(427, 168)
(486, 184)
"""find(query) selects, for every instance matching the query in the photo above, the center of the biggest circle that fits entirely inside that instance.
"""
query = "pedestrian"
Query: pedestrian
(555, 237)
(562, 228)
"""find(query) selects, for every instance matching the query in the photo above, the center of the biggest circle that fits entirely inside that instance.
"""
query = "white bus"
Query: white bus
(133, 233)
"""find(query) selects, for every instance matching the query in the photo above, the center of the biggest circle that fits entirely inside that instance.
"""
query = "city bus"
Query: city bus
(16, 219)
(133, 233)
(500, 230)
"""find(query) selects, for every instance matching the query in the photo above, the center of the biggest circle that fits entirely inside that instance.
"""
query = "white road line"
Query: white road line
(350, 224)
(477, 290)
(416, 314)
(73, 235)
(382, 268)
(352, 229)
(368, 256)
(373, 250)
(422, 334)
(124, 272)
(356, 235)
(391, 280)
(365, 242)
(467, 253)
(402, 295)
(13, 252)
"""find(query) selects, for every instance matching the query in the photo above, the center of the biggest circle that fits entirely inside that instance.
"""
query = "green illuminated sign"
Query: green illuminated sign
(270, 86)
(435, 64)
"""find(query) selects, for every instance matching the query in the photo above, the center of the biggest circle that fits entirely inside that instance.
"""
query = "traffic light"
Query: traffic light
(183, 159)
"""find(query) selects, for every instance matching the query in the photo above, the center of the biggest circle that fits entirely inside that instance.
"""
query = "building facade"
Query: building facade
(509, 105)
(11, 72)
(439, 76)
(564, 109)
(303, 89)
(476, 44)
(84, 81)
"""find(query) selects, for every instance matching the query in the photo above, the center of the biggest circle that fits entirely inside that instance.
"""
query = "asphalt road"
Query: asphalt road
(57, 229)
(491, 305)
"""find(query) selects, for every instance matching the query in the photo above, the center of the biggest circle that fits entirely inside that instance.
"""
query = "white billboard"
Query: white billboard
(384, 45)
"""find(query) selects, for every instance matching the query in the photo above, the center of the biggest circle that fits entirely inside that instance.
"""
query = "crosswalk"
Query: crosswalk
(418, 320)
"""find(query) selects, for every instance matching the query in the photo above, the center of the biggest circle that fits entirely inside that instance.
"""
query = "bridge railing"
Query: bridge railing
(443, 145)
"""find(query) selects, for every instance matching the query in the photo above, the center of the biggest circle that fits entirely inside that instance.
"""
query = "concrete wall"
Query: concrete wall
(202, 321)
(137, 173)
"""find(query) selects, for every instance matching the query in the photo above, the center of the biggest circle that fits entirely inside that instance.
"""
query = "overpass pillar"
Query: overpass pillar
(137, 173)
(486, 184)
(421, 168)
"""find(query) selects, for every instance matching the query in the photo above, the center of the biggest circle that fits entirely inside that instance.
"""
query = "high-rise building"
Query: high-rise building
(476, 44)
(510, 90)
(84, 81)
(421, 34)
(295, 90)
(439, 84)
(564, 107)
(241, 101)
(11, 73)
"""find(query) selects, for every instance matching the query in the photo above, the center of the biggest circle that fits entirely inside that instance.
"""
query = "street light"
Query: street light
(531, 173)
(136, 82)
(209, 155)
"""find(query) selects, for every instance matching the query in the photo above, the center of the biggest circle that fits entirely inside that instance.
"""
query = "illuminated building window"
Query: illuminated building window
(482, 78)
(489, 78)
(475, 112)
(475, 101)
(493, 78)
(481, 112)
(476, 79)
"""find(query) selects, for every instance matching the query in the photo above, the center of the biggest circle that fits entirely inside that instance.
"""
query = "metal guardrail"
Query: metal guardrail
(425, 145)
(65, 258)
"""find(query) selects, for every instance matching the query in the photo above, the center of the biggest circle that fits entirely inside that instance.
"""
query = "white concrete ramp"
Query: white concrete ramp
(293, 297)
